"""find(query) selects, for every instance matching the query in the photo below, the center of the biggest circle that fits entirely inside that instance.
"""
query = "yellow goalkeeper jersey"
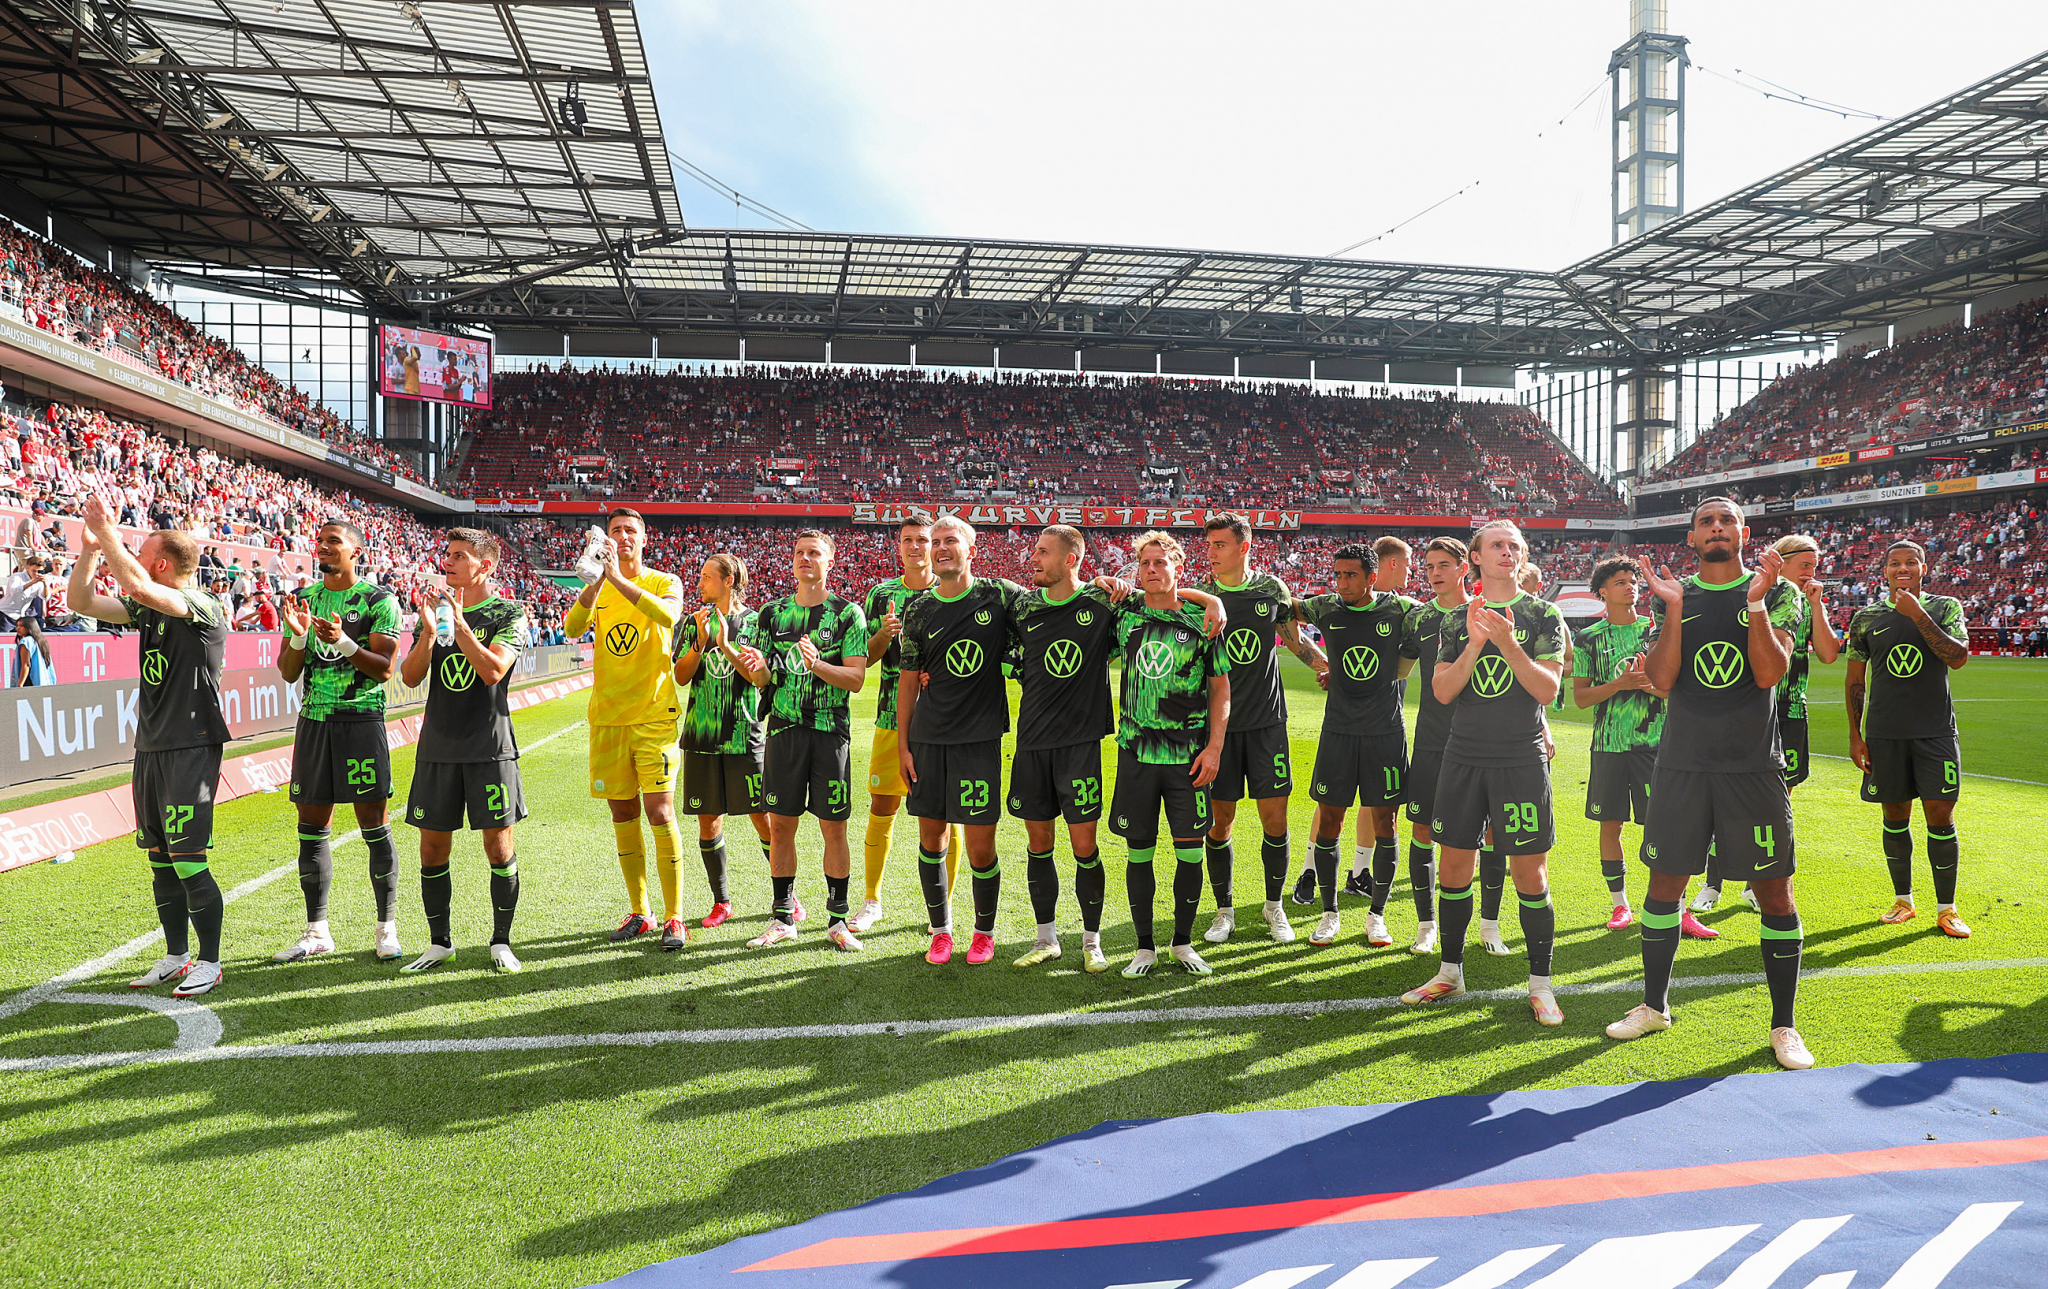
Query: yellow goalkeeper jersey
(632, 682)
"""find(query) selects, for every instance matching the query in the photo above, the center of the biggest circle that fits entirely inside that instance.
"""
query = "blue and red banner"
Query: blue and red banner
(1890, 1177)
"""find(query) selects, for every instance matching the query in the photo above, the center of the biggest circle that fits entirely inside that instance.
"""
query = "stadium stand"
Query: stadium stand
(247, 515)
(1943, 380)
(50, 288)
(846, 434)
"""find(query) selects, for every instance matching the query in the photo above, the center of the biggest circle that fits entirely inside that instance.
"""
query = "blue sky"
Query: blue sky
(1295, 128)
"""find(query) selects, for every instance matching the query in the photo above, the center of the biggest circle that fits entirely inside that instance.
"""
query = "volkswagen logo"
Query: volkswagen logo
(1084, 617)
(620, 639)
(1385, 628)
(1492, 676)
(963, 658)
(717, 666)
(153, 666)
(456, 673)
(1062, 659)
(981, 617)
(1905, 660)
(1244, 645)
(1719, 664)
(1155, 659)
(1361, 663)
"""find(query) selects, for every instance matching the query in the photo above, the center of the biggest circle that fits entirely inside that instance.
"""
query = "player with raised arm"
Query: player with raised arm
(1498, 667)
(1444, 564)
(1720, 642)
(810, 653)
(953, 709)
(341, 636)
(1173, 714)
(1628, 719)
(633, 610)
(179, 730)
(1901, 650)
(1256, 761)
(467, 764)
(886, 602)
(722, 737)
(1362, 753)
(1812, 634)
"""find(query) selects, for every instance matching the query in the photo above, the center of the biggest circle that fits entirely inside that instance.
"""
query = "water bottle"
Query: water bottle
(444, 624)
(590, 565)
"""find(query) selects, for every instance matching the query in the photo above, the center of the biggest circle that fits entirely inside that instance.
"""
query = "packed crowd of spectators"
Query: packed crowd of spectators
(732, 434)
(53, 457)
(1993, 557)
(1755, 493)
(1954, 378)
(54, 290)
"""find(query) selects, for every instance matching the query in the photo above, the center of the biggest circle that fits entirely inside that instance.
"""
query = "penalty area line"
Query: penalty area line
(964, 1024)
(29, 997)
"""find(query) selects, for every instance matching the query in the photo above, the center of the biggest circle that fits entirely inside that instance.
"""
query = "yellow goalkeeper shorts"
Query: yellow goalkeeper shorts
(628, 760)
(885, 768)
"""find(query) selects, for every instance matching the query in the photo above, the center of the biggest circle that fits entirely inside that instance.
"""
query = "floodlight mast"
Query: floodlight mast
(1648, 176)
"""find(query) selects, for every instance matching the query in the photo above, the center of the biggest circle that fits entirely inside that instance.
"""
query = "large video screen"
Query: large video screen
(434, 367)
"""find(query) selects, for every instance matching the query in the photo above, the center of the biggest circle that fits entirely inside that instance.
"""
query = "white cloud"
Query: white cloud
(1293, 128)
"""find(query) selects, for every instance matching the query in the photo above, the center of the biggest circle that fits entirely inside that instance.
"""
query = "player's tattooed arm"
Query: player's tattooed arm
(1853, 692)
(1940, 643)
(1290, 635)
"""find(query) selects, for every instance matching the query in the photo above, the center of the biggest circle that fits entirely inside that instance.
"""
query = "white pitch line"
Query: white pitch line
(28, 998)
(898, 1029)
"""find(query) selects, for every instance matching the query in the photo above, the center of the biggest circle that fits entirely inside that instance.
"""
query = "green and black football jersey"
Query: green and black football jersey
(1792, 689)
(1256, 609)
(1419, 635)
(1719, 720)
(1164, 699)
(1063, 669)
(1632, 718)
(335, 689)
(724, 711)
(1905, 685)
(796, 697)
(1494, 720)
(883, 597)
(465, 720)
(1363, 644)
(959, 644)
(179, 705)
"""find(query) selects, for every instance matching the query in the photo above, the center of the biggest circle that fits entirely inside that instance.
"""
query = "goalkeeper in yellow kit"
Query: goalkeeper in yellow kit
(633, 713)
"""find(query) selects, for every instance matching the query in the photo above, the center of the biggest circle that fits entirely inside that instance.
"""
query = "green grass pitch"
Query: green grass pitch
(566, 1164)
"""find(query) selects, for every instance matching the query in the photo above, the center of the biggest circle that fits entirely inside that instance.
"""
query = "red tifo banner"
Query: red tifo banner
(38, 832)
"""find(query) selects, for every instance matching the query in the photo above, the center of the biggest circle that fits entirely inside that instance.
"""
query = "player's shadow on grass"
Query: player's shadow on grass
(1927, 1033)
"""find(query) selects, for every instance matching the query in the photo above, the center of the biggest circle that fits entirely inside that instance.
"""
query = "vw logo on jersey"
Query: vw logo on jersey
(981, 617)
(1122, 822)
(1649, 852)
(1264, 608)
(1062, 659)
(456, 673)
(1719, 664)
(1084, 617)
(1155, 659)
(1361, 663)
(154, 665)
(1492, 676)
(793, 661)
(1521, 634)
(1594, 809)
(1385, 628)
(717, 666)
(1244, 646)
(1743, 618)
(696, 803)
(620, 639)
(963, 658)
(326, 652)
(419, 812)
(1904, 660)
(596, 785)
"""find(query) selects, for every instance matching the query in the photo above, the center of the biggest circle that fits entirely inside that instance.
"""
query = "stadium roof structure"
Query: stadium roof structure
(1935, 208)
(416, 153)
(384, 142)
